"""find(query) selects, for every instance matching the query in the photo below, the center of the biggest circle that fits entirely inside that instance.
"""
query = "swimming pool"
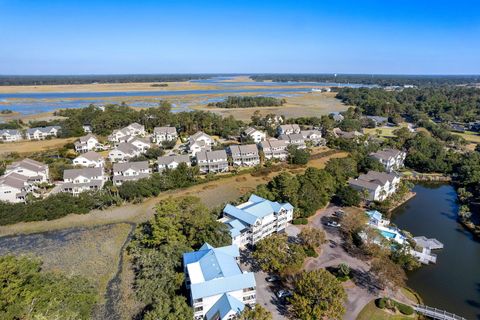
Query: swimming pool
(388, 234)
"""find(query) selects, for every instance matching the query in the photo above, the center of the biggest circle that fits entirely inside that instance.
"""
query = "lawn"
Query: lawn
(385, 132)
(33, 146)
(371, 312)
(469, 136)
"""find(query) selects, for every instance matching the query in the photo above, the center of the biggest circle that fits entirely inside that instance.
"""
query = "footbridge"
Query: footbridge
(435, 313)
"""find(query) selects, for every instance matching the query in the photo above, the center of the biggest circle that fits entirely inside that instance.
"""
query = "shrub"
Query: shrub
(300, 221)
(310, 252)
(381, 303)
(404, 309)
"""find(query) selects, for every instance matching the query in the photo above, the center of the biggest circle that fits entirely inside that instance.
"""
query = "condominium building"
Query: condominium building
(219, 289)
(256, 219)
(90, 159)
(212, 161)
(80, 180)
(130, 171)
(376, 186)
(244, 155)
(274, 149)
(391, 159)
(161, 134)
(10, 135)
(41, 133)
(172, 162)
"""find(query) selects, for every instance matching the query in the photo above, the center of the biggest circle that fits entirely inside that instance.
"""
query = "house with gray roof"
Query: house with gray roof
(161, 134)
(256, 219)
(212, 161)
(36, 172)
(123, 152)
(87, 143)
(314, 136)
(295, 139)
(172, 162)
(90, 159)
(254, 134)
(41, 133)
(199, 142)
(80, 180)
(10, 135)
(288, 129)
(219, 289)
(244, 155)
(274, 149)
(130, 171)
(14, 187)
(391, 159)
(375, 186)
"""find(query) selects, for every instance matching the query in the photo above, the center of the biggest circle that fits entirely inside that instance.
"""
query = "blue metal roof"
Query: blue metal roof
(374, 214)
(235, 226)
(224, 306)
(222, 285)
(256, 207)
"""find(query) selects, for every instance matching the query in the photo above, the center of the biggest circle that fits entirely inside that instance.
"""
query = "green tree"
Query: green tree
(256, 313)
(312, 237)
(275, 254)
(297, 156)
(318, 295)
(348, 197)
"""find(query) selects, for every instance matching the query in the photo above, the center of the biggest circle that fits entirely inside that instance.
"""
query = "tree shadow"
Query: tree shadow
(365, 280)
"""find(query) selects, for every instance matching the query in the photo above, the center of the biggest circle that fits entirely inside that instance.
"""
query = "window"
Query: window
(198, 300)
(198, 309)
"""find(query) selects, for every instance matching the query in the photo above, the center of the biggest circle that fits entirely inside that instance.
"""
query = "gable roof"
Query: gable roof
(194, 137)
(386, 154)
(127, 148)
(42, 129)
(211, 155)
(14, 180)
(166, 160)
(84, 139)
(224, 306)
(86, 172)
(11, 132)
(135, 165)
(164, 130)
(214, 271)
(28, 164)
(255, 208)
(244, 148)
(91, 155)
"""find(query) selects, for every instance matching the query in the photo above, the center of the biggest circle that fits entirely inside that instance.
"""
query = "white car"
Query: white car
(283, 294)
(333, 224)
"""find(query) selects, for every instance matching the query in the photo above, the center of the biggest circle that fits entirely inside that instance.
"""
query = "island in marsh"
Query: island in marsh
(248, 102)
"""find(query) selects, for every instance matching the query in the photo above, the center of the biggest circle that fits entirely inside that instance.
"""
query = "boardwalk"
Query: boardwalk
(435, 313)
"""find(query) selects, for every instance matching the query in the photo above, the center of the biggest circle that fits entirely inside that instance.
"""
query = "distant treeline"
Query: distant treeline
(367, 79)
(248, 102)
(86, 79)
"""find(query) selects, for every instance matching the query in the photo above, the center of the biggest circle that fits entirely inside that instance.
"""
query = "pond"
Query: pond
(453, 283)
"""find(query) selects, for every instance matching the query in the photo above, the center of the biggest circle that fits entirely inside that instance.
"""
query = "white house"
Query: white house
(376, 186)
(337, 116)
(87, 128)
(219, 289)
(274, 149)
(172, 162)
(130, 171)
(41, 133)
(123, 152)
(10, 135)
(288, 129)
(35, 171)
(136, 129)
(254, 134)
(244, 155)
(212, 161)
(315, 136)
(391, 159)
(256, 219)
(87, 143)
(133, 129)
(80, 180)
(14, 188)
(141, 144)
(199, 142)
(161, 134)
(90, 159)
(295, 139)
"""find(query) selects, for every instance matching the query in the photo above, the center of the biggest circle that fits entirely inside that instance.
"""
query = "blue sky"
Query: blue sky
(103, 37)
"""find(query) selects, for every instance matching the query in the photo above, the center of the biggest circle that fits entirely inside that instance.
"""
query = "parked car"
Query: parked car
(272, 278)
(333, 224)
(281, 294)
(339, 213)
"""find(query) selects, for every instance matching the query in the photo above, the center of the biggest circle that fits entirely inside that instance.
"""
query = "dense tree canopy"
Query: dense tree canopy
(318, 295)
(248, 102)
(27, 292)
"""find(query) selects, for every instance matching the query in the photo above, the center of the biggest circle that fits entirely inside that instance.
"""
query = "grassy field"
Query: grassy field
(385, 132)
(33, 146)
(92, 253)
(469, 136)
(298, 105)
(371, 312)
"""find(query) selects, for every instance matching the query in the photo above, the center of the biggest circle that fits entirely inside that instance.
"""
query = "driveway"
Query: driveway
(361, 290)
(265, 290)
